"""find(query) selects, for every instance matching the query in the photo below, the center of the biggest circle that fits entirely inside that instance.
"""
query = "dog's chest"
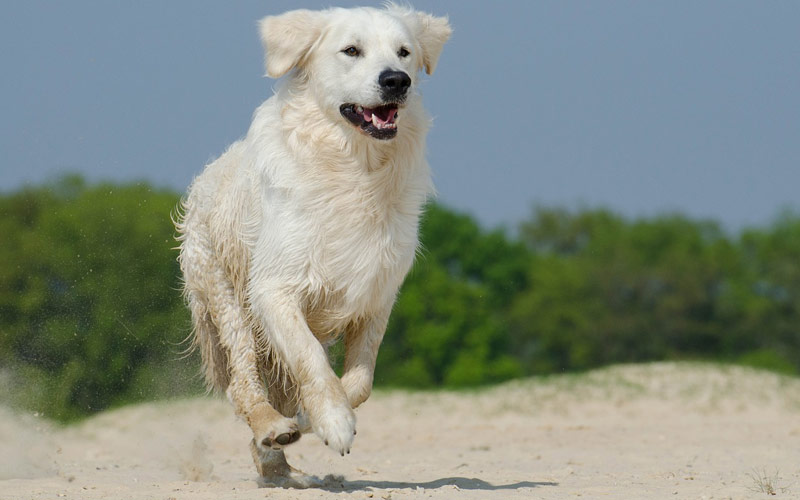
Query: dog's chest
(358, 258)
(362, 261)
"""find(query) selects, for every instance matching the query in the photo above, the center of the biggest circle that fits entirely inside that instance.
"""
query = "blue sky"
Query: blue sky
(642, 107)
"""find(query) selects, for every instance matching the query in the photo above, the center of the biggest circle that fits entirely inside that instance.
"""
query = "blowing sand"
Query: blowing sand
(640, 431)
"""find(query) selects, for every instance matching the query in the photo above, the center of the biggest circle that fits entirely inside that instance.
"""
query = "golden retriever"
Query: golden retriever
(302, 232)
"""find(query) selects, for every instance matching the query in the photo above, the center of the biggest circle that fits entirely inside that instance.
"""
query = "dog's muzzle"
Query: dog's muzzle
(379, 122)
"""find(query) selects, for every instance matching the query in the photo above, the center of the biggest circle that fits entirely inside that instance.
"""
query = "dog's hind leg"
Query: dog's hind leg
(271, 430)
(206, 338)
(207, 283)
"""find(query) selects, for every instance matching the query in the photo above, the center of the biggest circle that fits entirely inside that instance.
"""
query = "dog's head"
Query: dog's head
(361, 64)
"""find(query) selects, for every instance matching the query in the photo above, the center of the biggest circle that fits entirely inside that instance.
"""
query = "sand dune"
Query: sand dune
(641, 431)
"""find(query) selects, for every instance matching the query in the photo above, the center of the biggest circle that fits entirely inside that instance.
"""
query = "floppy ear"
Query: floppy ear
(287, 39)
(431, 33)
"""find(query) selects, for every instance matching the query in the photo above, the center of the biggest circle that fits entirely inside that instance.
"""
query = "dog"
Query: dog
(301, 233)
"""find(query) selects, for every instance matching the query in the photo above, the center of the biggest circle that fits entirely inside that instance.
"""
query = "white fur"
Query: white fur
(303, 231)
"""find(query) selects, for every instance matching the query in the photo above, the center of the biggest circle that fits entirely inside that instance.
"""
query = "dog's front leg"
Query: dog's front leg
(322, 398)
(362, 341)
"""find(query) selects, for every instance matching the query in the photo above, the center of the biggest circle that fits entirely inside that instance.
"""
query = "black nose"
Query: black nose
(394, 84)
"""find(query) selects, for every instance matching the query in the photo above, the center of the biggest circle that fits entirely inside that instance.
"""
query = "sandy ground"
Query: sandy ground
(641, 431)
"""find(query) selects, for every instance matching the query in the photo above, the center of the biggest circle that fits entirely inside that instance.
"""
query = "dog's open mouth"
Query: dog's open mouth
(376, 122)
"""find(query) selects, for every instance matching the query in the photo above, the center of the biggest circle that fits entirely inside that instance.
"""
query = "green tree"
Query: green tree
(604, 289)
(88, 290)
(764, 303)
(449, 325)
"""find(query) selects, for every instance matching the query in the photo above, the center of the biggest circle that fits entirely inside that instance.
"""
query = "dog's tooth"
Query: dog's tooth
(359, 109)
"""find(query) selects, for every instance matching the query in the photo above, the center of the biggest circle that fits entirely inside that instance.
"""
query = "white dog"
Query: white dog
(303, 231)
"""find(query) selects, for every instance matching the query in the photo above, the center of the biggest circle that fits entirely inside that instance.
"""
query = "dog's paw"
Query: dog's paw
(281, 433)
(336, 426)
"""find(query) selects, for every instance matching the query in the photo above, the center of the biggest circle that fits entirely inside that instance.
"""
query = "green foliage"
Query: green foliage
(448, 326)
(765, 302)
(88, 289)
(91, 314)
(605, 289)
(767, 359)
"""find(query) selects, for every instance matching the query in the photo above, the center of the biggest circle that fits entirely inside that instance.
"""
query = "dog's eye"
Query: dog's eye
(403, 52)
(352, 51)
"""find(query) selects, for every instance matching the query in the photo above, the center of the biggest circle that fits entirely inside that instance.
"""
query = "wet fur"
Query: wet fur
(302, 232)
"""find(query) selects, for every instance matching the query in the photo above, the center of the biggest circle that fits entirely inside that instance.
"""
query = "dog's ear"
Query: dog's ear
(431, 33)
(288, 37)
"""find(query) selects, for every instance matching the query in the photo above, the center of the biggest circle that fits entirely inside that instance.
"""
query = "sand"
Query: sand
(640, 431)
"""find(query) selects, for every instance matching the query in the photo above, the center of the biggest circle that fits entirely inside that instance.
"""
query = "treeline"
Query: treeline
(91, 314)
(580, 289)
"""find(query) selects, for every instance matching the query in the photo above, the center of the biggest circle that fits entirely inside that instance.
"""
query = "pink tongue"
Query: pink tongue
(370, 113)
